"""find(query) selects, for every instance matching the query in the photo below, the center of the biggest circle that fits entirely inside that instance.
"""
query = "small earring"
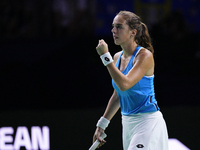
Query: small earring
(131, 36)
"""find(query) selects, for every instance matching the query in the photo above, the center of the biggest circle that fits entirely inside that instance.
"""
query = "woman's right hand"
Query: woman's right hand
(96, 136)
(102, 47)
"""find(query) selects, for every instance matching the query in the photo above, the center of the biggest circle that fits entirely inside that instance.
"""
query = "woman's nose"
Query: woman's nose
(113, 30)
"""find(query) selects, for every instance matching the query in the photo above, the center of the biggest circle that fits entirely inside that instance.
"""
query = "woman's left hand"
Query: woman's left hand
(102, 47)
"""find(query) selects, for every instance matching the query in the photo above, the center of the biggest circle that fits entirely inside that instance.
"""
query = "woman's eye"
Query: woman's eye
(117, 27)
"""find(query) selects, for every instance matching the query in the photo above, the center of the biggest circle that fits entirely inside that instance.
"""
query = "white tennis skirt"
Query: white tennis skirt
(144, 131)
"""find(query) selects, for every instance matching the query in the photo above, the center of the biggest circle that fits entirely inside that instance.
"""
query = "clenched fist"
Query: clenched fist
(102, 47)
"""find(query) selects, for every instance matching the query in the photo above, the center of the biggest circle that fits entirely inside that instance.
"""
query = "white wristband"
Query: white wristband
(106, 58)
(103, 123)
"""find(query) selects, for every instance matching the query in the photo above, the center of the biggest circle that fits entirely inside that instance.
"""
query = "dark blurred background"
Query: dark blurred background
(48, 57)
(48, 60)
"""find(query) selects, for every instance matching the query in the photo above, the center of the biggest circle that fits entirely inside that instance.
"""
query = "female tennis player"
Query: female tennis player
(132, 72)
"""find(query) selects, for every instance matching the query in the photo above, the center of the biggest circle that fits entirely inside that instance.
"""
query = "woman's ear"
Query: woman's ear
(133, 33)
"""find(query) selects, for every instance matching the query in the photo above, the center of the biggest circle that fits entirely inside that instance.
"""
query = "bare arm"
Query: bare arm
(112, 107)
(113, 104)
(143, 65)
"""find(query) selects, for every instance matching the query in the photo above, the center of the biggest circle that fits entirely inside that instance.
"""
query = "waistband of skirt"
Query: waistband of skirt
(143, 115)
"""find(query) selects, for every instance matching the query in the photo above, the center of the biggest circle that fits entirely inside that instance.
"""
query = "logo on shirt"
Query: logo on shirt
(140, 146)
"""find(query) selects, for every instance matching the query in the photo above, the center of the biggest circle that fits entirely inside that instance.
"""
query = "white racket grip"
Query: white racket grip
(96, 143)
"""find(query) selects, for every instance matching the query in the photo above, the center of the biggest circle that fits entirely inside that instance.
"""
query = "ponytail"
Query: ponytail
(145, 39)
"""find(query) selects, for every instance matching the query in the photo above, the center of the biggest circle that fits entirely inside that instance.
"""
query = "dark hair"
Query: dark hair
(142, 37)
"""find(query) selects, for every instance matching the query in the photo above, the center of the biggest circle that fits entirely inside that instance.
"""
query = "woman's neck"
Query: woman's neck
(129, 49)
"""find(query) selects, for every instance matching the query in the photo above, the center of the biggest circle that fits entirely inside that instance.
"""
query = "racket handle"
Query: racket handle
(96, 143)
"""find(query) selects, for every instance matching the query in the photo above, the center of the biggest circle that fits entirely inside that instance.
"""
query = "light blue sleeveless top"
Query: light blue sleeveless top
(141, 97)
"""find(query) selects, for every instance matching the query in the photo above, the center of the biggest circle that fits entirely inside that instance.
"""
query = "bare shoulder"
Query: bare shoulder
(144, 54)
(145, 59)
(116, 56)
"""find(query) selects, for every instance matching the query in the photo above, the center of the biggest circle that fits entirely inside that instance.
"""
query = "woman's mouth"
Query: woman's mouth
(115, 37)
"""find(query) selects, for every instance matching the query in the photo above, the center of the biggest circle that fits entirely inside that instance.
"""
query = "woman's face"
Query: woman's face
(121, 31)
